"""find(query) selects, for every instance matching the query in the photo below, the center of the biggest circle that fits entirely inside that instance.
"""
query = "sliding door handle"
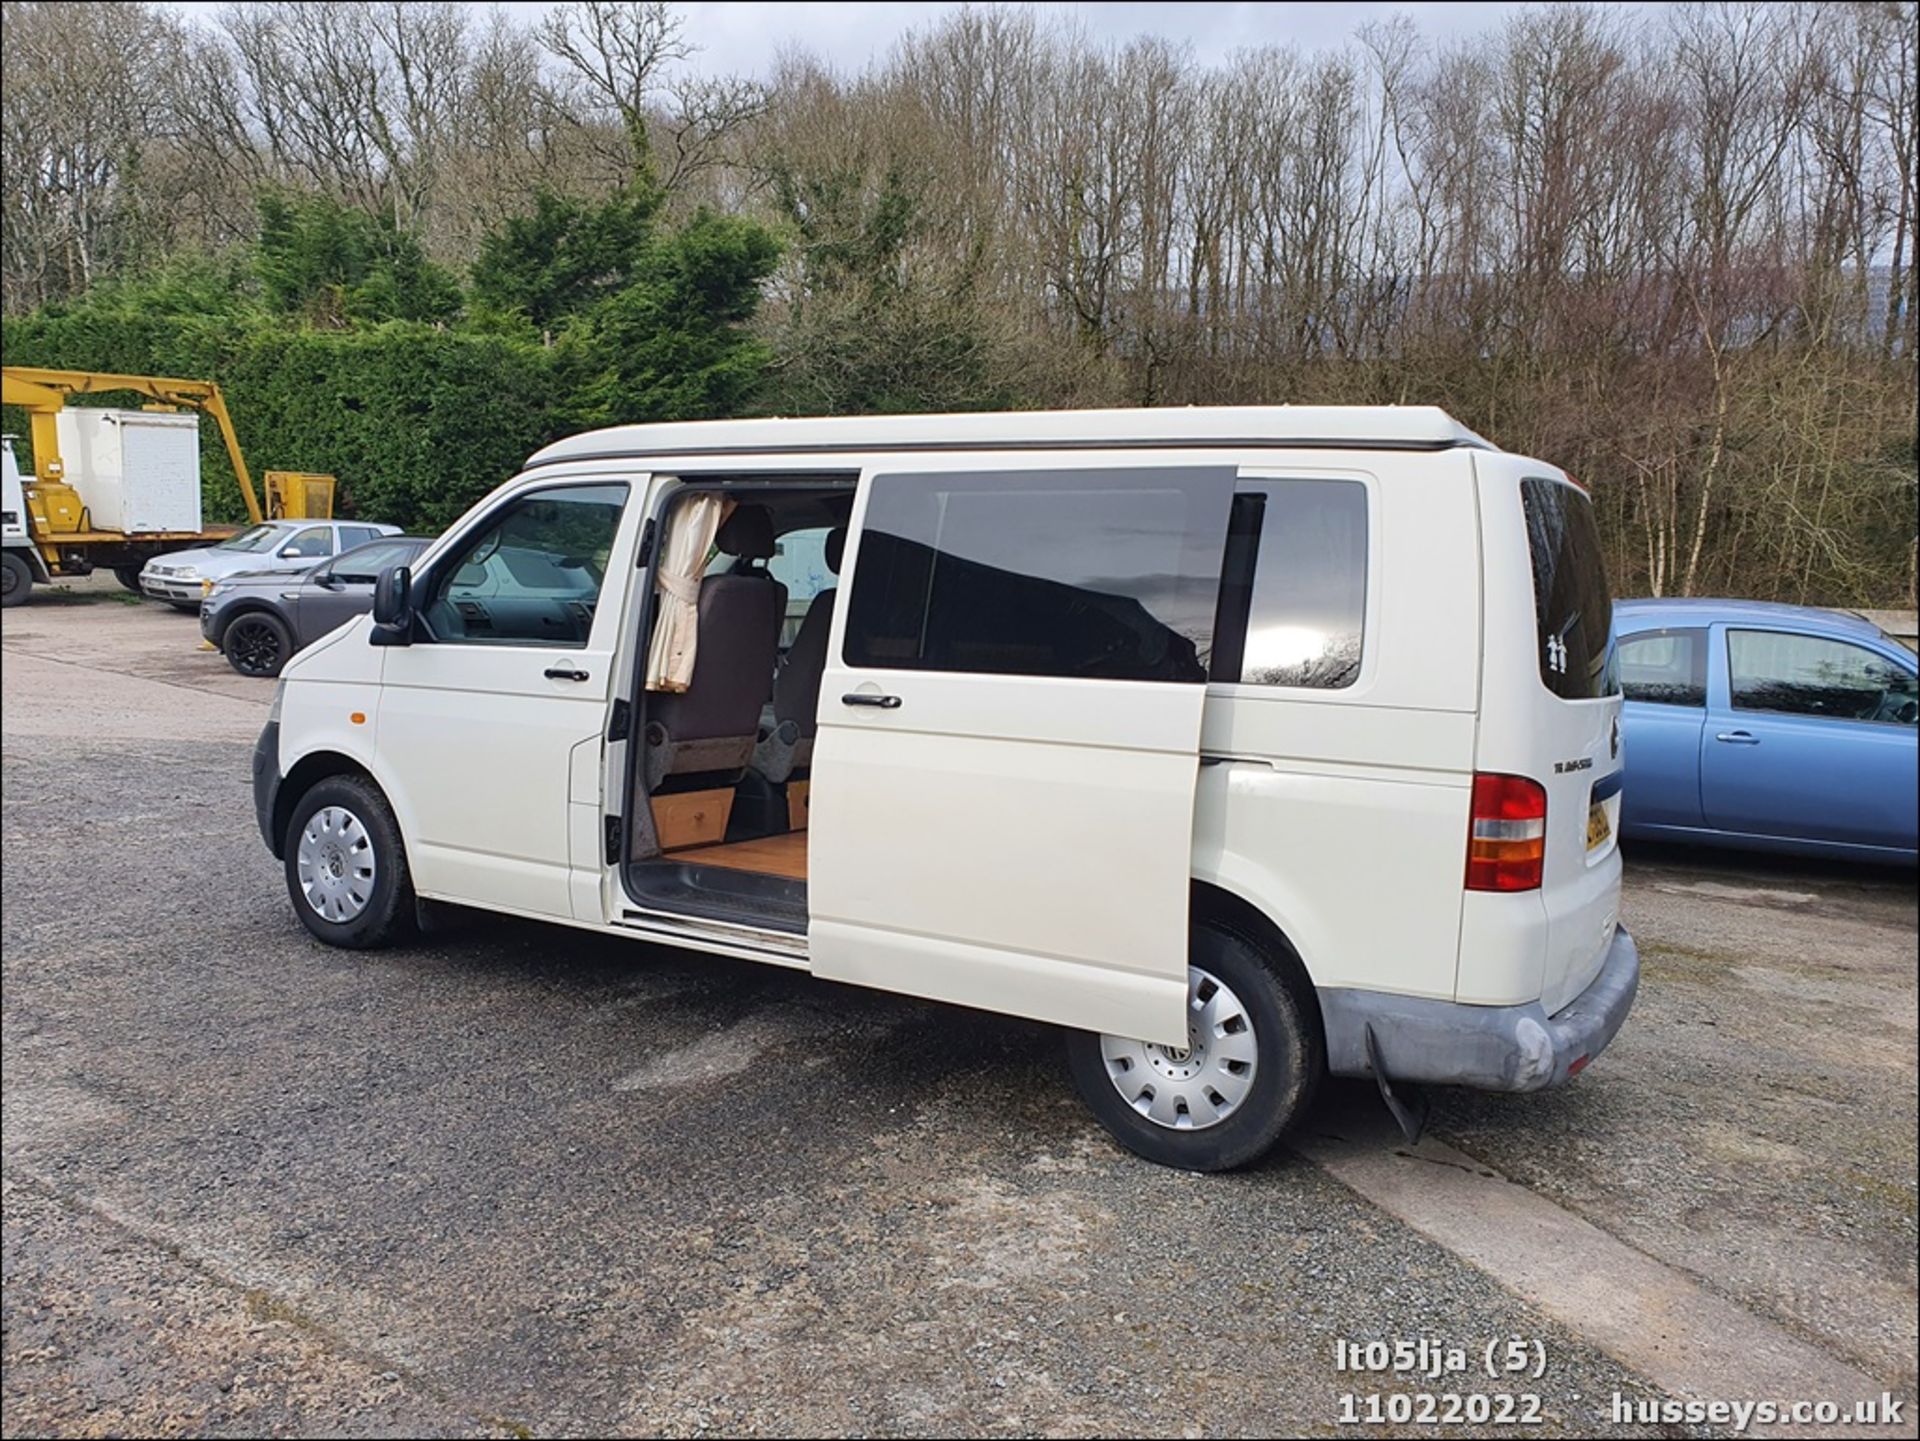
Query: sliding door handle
(858, 697)
(566, 672)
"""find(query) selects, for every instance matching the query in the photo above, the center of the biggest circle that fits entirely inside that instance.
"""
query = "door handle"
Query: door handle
(884, 702)
(566, 672)
(1738, 738)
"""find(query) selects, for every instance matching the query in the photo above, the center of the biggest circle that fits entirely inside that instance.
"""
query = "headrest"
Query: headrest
(836, 547)
(747, 533)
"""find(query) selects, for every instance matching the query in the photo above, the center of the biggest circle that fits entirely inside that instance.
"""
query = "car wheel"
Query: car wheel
(16, 578)
(128, 576)
(1252, 1059)
(346, 866)
(257, 644)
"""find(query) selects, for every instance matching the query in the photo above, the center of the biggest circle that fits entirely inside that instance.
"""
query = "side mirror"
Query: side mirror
(393, 607)
(326, 579)
(289, 552)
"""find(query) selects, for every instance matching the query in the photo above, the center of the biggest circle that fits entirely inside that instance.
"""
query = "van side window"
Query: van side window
(1101, 574)
(1293, 599)
(531, 574)
(1664, 667)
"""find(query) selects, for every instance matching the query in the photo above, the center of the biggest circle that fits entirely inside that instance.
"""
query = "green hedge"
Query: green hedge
(416, 422)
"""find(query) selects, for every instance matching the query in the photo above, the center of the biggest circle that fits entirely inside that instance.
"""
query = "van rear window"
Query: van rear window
(1573, 609)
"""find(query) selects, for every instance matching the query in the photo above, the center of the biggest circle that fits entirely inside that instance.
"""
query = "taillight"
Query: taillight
(1507, 842)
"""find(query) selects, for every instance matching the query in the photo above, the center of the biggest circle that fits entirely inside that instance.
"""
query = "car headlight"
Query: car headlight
(216, 587)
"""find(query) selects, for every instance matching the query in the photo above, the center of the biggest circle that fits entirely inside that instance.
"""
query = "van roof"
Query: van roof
(1336, 427)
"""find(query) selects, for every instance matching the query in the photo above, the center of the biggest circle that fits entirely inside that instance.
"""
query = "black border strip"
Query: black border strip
(1257, 442)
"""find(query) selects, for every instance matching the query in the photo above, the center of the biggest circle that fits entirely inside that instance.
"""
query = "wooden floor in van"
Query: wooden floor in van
(784, 855)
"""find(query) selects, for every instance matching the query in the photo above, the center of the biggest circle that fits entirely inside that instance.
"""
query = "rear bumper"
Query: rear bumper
(1490, 1048)
(266, 782)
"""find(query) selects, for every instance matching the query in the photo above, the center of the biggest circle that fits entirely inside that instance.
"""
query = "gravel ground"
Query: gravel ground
(527, 1180)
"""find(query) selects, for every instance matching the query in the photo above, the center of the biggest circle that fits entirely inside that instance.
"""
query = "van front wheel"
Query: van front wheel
(1221, 1100)
(346, 867)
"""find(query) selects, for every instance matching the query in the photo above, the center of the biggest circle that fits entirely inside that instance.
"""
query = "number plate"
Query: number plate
(1597, 828)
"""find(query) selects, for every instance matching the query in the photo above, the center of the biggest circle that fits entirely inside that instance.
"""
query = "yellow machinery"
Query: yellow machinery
(62, 532)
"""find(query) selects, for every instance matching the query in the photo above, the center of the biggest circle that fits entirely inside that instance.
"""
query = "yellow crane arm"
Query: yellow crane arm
(44, 395)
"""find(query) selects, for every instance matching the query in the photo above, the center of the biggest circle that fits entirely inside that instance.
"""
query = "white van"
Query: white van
(1248, 744)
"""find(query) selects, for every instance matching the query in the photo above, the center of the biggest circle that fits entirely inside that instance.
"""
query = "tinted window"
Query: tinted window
(1809, 675)
(1665, 667)
(1573, 609)
(1107, 574)
(532, 573)
(357, 534)
(315, 540)
(366, 563)
(1294, 594)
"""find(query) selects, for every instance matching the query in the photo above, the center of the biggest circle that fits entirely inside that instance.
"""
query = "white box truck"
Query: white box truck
(115, 488)
(137, 471)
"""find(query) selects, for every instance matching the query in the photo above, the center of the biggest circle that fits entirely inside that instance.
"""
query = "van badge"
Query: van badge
(1613, 740)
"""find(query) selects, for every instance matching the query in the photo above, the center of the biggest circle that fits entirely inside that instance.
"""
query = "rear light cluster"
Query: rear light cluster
(1507, 842)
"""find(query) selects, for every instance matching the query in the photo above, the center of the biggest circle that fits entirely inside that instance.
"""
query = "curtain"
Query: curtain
(676, 575)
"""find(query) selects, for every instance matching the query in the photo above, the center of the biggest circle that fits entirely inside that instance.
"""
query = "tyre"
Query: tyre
(257, 644)
(128, 576)
(16, 578)
(1252, 1060)
(346, 866)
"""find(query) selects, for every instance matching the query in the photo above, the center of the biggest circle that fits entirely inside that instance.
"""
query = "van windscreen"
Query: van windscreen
(1573, 609)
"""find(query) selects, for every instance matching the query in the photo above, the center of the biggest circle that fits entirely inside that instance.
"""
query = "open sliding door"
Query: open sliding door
(1008, 744)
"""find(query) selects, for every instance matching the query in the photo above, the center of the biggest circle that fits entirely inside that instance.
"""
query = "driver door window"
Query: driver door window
(532, 574)
(316, 542)
(1810, 676)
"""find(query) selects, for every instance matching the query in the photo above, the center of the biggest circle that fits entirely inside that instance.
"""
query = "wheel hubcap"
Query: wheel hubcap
(1200, 1084)
(335, 864)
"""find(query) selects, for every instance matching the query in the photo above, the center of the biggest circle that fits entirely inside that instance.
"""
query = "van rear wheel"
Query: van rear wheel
(346, 866)
(1247, 1070)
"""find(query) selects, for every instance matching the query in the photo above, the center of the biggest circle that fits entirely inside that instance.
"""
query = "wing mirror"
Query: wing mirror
(393, 607)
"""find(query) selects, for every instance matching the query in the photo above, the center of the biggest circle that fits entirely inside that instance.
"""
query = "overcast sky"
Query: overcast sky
(744, 38)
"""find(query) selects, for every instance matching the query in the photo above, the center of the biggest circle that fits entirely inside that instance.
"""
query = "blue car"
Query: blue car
(1768, 727)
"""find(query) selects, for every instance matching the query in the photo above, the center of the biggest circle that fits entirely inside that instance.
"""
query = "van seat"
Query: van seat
(713, 725)
(788, 748)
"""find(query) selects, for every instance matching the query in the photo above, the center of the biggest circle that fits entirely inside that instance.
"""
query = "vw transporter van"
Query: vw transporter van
(1247, 745)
